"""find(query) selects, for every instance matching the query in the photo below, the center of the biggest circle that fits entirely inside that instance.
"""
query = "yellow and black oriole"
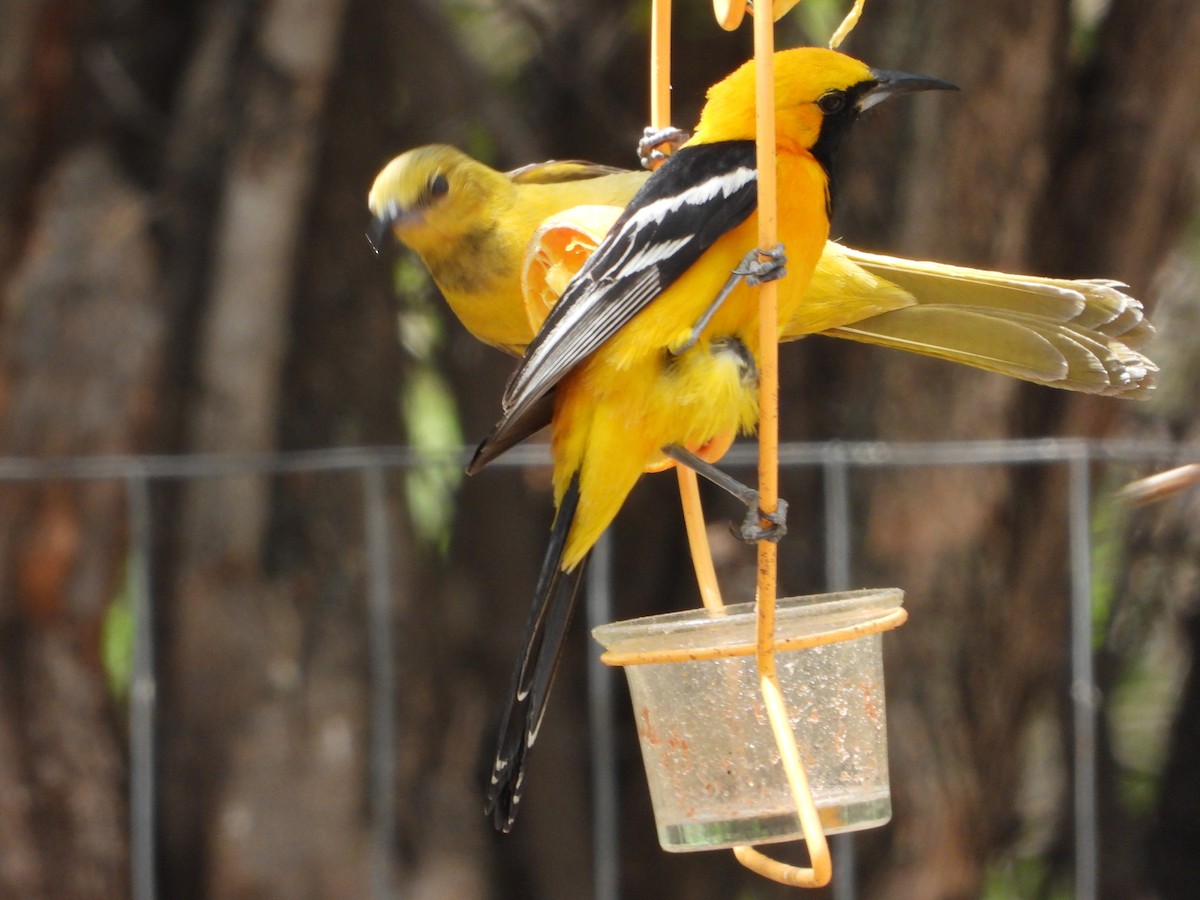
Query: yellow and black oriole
(651, 350)
(620, 366)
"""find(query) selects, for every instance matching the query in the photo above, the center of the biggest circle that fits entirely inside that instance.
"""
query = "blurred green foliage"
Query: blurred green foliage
(116, 639)
(428, 410)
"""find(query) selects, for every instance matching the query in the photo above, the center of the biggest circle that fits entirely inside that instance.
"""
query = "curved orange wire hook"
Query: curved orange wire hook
(821, 868)
(729, 14)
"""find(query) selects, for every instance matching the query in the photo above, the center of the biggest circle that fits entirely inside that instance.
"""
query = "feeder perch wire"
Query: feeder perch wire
(729, 14)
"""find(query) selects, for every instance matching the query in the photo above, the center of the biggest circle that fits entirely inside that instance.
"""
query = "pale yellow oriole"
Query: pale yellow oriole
(472, 225)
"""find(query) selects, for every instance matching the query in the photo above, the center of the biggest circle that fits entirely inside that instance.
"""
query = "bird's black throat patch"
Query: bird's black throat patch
(833, 132)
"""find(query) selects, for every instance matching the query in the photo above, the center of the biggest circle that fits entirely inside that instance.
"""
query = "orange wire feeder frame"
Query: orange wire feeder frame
(731, 795)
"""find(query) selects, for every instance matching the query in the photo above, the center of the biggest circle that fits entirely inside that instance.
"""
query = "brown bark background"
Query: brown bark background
(183, 270)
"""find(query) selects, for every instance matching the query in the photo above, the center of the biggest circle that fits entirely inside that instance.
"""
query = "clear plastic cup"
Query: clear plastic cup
(714, 769)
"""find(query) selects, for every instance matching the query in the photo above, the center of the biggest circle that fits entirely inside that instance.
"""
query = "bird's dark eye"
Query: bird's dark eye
(438, 186)
(832, 102)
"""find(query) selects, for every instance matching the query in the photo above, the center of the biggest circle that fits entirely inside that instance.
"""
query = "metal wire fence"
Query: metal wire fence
(837, 463)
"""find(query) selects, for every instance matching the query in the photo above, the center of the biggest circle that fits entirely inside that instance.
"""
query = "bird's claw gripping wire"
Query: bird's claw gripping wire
(755, 271)
(761, 266)
(751, 529)
(653, 138)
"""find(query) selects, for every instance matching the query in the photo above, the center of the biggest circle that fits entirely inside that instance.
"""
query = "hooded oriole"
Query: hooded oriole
(471, 225)
(619, 360)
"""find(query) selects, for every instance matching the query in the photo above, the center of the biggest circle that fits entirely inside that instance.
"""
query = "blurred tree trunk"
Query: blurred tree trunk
(1050, 161)
(266, 767)
(80, 352)
(258, 739)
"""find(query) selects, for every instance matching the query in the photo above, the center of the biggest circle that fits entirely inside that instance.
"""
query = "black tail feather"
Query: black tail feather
(533, 676)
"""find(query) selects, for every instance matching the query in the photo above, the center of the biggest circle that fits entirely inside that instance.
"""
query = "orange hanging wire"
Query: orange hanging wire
(660, 64)
(768, 350)
(689, 487)
(821, 869)
(729, 14)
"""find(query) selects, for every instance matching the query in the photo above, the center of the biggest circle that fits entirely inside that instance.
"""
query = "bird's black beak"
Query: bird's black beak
(376, 234)
(888, 84)
(380, 226)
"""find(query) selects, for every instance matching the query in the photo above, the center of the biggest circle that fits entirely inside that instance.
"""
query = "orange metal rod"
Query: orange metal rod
(768, 359)
(689, 489)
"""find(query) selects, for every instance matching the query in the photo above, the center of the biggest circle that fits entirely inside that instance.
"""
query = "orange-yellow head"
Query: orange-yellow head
(818, 93)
